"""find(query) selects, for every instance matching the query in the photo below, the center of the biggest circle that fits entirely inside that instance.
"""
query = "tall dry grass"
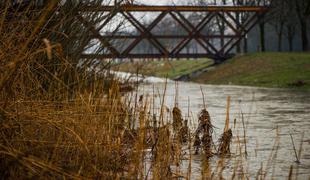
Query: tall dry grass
(58, 119)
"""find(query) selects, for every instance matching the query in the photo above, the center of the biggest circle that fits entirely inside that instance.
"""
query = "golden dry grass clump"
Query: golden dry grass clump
(77, 138)
(205, 129)
(180, 126)
(177, 119)
(225, 141)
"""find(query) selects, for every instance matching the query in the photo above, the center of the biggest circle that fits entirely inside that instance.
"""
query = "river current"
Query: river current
(271, 119)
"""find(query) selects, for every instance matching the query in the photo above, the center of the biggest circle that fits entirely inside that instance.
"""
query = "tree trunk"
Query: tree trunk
(280, 38)
(245, 45)
(290, 44)
(304, 35)
(222, 41)
(280, 42)
(303, 23)
(262, 36)
(188, 51)
(238, 47)
(290, 36)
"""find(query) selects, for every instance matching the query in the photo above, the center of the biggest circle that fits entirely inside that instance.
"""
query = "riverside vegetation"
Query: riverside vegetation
(61, 119)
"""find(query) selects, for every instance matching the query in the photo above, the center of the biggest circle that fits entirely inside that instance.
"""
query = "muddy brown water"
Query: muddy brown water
(270, 116)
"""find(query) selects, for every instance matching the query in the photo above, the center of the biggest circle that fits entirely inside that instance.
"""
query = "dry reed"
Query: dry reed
(225, 140)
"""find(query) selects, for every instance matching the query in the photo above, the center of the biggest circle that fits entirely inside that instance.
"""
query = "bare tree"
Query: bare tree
(261, 25)
(302, 8)
(290, 23)
(279, 18)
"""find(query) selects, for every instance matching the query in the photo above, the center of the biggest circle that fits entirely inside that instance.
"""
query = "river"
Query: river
(272, 117)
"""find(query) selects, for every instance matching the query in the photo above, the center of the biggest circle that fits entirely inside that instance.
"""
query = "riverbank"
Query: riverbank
(279, 70)
(283, 70)
(169, 69)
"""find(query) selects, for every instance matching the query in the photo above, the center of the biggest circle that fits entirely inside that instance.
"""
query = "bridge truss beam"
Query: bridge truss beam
(239, 19)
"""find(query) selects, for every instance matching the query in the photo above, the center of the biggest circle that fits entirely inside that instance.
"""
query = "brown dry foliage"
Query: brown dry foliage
(61, 120)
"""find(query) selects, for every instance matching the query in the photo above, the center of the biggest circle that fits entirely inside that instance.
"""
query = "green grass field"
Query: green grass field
(262, 69)
(284, 70)
(169, 69)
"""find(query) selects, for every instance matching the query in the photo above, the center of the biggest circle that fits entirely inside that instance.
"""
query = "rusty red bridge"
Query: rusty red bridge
(232, 22)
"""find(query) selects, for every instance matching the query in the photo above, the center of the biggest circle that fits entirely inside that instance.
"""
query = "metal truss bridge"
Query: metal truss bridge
(216, 32)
